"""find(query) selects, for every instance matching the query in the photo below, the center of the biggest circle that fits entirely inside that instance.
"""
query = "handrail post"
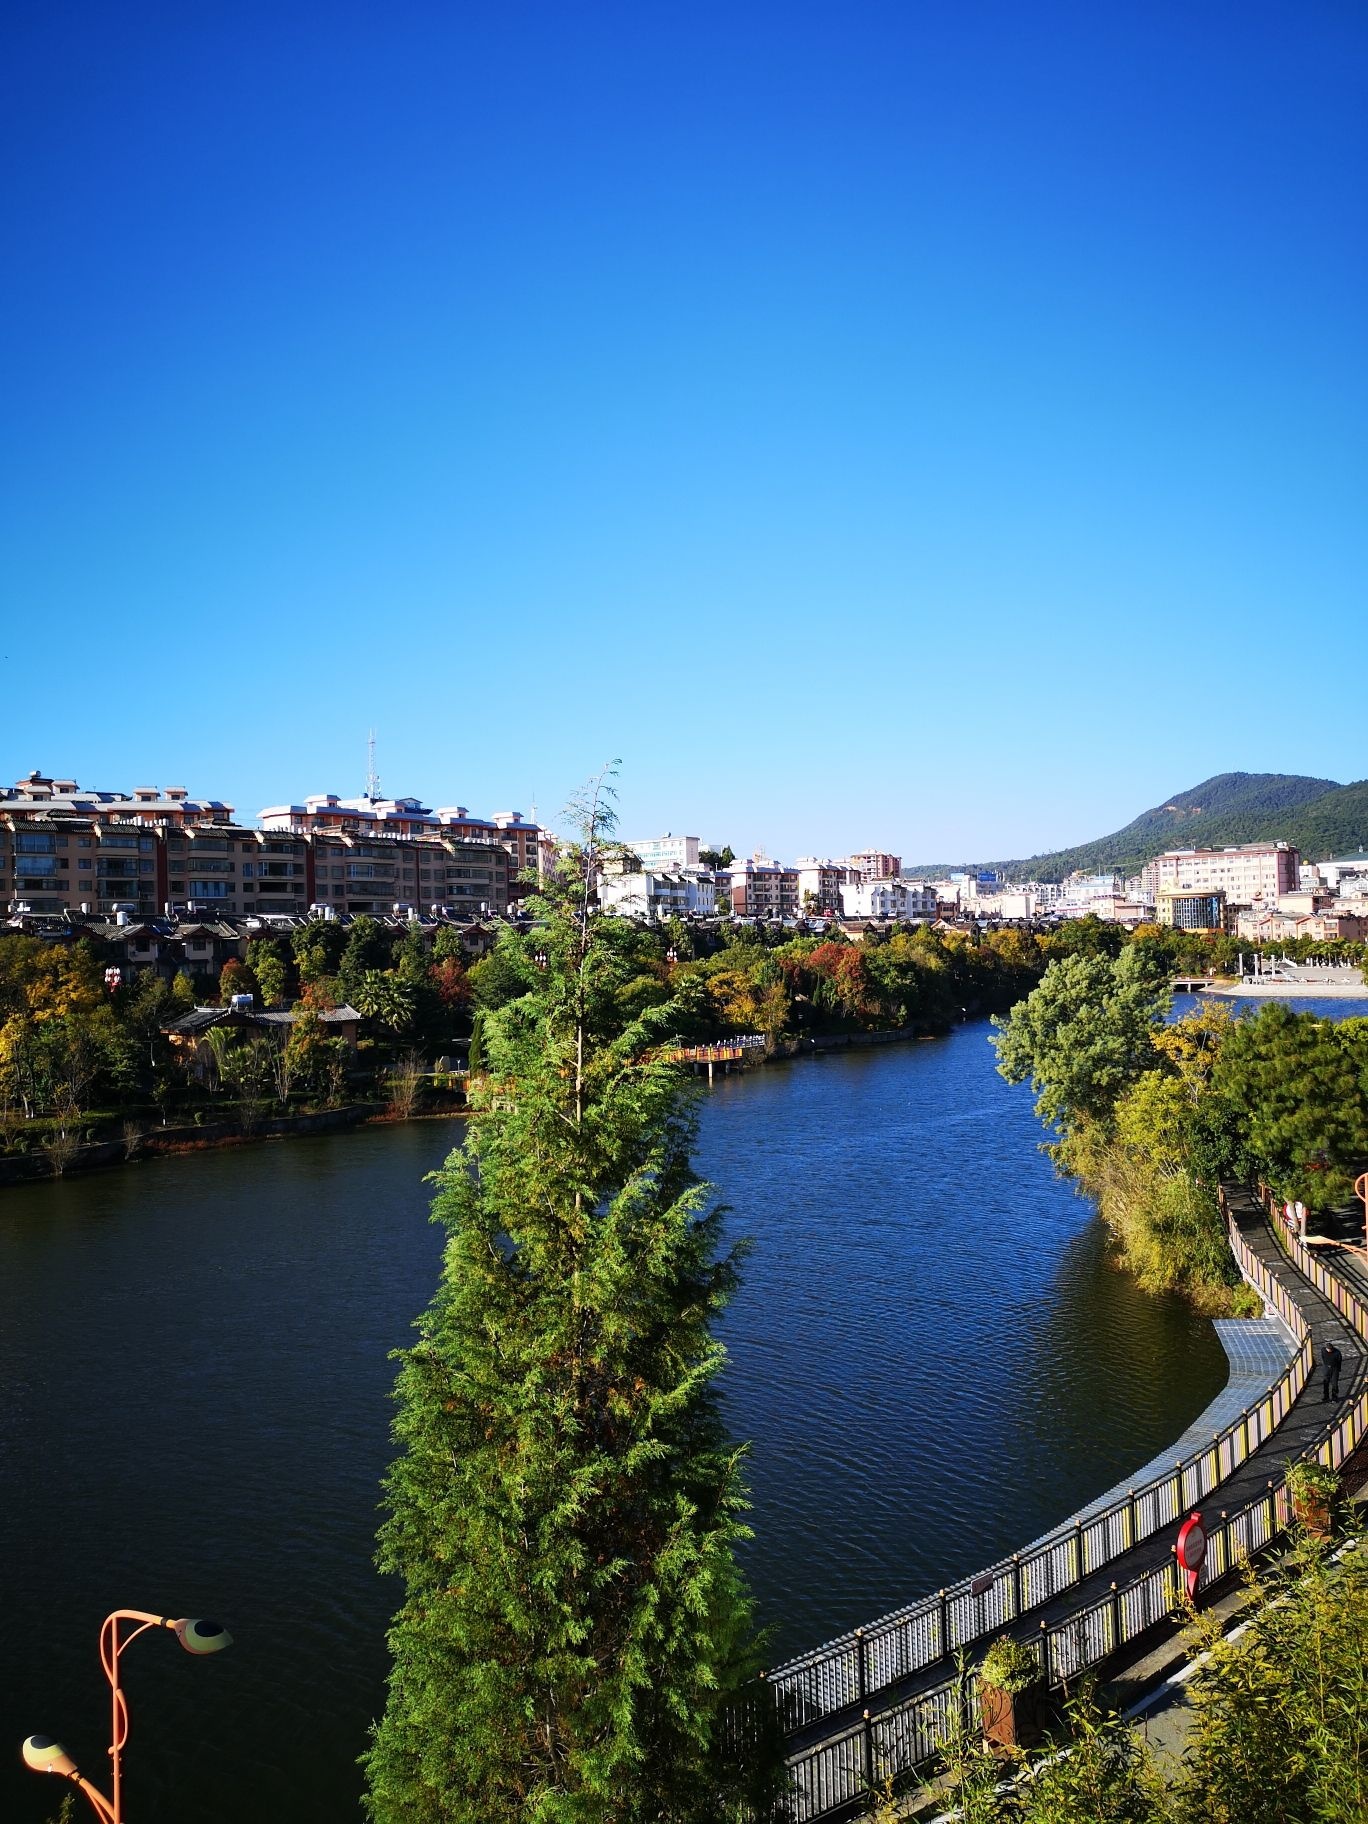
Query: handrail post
(1016, 1584)
(868, 1752)
(861, 1674)
(943, 1612)
(1078, 1551)
(1115, 1616)
(1130, 1518)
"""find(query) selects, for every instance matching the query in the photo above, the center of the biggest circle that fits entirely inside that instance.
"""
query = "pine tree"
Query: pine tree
(567, 1503)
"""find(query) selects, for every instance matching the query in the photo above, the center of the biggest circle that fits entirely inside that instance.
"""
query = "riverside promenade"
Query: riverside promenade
(878, 1702)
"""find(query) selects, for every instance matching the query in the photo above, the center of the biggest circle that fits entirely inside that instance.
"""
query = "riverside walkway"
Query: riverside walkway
(879, 1701)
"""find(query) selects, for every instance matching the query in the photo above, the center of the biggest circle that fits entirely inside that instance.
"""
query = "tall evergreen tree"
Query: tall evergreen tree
(567, 1503)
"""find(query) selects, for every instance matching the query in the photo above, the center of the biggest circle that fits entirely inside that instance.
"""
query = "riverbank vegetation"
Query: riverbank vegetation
(88, 1051)
(1150, 1116)
(567, 1503)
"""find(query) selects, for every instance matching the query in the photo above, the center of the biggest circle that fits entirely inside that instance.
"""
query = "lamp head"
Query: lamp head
(202, 1636)
(44, 1755)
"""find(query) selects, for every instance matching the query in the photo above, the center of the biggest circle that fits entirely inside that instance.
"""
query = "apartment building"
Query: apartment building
(659, 893)
(408, 819)
(62, 864)
(900, 899)
(1254, 873)
(760, 888)
(38, 797)
(873, 864)
(359, 873)
(819, 886)
(665, 852)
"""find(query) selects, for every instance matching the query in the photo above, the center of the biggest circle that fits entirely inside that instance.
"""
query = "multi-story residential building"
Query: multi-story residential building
(667, 851)
(873, 864)
(901, 899)
(390, 819)
(73, 864)
(357, 873)
(225, 869)
(819, 886)
(41, 797)
(141, 854)
(1255, 873)
(760, 888)
(657, 893)
(1277, 926)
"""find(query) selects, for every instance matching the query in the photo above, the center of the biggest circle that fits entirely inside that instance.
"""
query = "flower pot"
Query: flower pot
(1312, 1511)
(1011, 1719)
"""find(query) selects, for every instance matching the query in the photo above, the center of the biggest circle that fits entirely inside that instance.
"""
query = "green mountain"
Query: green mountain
(1321, 817)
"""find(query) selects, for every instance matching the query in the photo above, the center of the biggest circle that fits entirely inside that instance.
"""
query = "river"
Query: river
(929, 1353)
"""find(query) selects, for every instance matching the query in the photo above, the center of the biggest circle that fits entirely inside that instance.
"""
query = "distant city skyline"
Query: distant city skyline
(640, 829)
(928, 429)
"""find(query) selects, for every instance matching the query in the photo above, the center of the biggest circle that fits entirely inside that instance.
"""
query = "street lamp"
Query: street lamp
(44, 1755)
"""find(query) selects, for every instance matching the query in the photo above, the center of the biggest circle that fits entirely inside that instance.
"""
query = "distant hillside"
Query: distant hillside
(1321, 817)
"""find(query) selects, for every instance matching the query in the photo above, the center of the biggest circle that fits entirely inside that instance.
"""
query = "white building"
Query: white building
(819, 885)
(665, 851)
(901, 899)
(657, 893)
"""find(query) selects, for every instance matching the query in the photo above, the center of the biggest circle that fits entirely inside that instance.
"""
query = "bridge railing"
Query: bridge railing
(833, 1778)
(845, 1673)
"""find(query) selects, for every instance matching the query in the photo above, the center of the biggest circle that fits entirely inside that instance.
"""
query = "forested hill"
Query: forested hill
(1321, 817)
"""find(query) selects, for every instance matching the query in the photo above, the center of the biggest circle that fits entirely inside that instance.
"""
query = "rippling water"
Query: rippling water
(929, 1353)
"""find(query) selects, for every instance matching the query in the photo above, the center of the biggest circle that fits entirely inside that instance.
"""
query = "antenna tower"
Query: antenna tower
(372, 777)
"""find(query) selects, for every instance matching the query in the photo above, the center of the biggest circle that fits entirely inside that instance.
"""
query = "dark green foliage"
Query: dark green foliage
(567, 1503)
(1301, 1103)
(1084, 1035)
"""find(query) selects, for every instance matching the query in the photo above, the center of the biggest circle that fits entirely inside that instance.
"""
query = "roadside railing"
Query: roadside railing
(845, 1673)
(833, 1778)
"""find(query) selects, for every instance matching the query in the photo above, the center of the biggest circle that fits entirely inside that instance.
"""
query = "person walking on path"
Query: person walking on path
(1332, 1361)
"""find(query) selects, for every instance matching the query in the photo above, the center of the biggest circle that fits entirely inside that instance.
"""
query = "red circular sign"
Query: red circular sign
(1192, 1544)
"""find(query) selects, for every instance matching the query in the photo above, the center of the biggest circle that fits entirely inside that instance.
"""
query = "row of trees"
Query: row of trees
(1150, 1115)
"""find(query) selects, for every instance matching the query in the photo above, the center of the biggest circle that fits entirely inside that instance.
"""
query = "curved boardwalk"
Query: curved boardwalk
(879, 1701)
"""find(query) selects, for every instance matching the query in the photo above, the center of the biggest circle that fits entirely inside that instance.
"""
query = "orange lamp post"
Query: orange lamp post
(44, 1755)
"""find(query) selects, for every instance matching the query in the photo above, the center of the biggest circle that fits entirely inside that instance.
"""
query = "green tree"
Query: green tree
(1302, 1101)
(387, 999)
(367, 951)
(269, 960)
(1084, 1034)
(236, 978)
(567, 1502)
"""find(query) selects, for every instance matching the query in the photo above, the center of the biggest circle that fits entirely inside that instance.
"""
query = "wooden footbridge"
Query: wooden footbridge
(881, 1701)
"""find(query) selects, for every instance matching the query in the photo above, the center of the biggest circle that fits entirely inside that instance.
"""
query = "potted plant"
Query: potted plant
(1011, 1693)
(1312, 1487)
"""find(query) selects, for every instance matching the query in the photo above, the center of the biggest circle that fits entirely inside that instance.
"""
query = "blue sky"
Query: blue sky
(931, 426)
